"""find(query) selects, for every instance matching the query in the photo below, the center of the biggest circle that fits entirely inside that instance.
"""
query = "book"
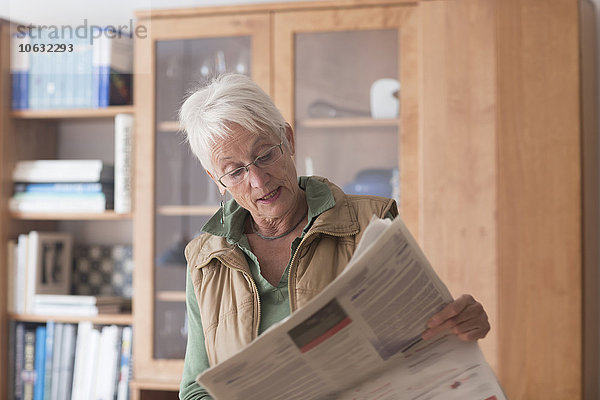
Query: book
(108, 362)
(48, 265)
(12, 358)
(40, 362)
(71, 187)
(19, 69)
(67, 358)
(60, 203)
(125, 364)
(62, 171)
(49, 357)
(22, 282)
(74, 305)
(19, 360)
(12, 267)
(58, 341)
(81, 354)
(123, 166)
(113, 68)
(90, 367)
(28, 373)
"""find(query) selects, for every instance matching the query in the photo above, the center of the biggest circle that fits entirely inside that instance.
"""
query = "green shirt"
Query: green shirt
(274, 300)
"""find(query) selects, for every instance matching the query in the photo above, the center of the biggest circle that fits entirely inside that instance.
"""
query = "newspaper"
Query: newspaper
(360, 338)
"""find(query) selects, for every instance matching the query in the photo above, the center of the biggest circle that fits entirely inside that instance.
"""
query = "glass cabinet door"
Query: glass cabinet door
(351, 97)
(176, 196)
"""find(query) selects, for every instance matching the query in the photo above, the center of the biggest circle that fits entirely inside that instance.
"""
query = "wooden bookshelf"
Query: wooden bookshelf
(187, 210)
(105, 216)
(102, 319)
(348, 122)
(74, 113)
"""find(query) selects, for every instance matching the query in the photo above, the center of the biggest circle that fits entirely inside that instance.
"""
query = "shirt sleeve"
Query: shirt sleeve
(196, 359)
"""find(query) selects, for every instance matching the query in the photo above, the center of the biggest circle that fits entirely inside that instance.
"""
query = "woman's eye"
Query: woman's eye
(236, 173)
(265, 157)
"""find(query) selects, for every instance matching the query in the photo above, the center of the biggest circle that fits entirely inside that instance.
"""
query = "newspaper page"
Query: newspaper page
(360, 339)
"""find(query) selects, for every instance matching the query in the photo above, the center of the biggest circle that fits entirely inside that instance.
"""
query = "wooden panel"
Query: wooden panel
(404, 20)
(87, 113)
(254, 8)
(146, 367)
(458, 198)
(539, 199)
(591, 200)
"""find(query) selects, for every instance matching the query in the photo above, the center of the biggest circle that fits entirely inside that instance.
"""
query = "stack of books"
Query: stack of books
(71, 72)
(79, 306)
(70, 186)
(68, 361)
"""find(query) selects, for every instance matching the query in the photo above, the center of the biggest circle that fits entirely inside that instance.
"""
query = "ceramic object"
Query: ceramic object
(384, 98)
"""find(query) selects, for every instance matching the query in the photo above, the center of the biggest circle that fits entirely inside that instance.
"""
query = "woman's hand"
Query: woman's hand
(464, 317)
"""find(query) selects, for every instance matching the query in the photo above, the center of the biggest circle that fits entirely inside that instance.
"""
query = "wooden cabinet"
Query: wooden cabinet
(489, 102)
(487, 143)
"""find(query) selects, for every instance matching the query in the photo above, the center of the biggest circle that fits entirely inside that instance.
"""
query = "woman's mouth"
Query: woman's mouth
(270, 197)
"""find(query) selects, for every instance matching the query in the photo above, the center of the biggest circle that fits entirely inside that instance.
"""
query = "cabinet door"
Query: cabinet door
(175, 196)
(347, 80)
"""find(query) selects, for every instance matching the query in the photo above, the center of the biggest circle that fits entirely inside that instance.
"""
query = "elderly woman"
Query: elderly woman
(279, 241)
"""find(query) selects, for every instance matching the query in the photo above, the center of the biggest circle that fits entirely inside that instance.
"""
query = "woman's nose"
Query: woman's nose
(257, 176)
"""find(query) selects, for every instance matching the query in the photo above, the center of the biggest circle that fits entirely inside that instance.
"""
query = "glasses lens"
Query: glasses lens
(234, 177)
(269, 157)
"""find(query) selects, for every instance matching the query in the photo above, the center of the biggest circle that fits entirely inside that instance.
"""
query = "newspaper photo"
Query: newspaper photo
(360, 338)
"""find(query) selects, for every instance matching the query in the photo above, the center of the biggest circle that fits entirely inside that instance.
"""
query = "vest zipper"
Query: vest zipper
(291, 293)
(256, 296)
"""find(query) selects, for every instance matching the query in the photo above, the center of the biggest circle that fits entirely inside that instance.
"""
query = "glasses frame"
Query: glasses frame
(247, 166)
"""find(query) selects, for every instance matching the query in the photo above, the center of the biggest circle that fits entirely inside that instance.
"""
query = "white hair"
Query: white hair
(211, 113)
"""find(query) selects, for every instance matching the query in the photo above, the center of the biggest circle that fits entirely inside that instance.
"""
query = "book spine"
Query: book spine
(12, 357)
(96, 60)
(29, 366)
(40, 362)
(125, 365)
(104, 69)
(22, 282)
(49, 357)
(123, 175)
(84, 187)
(91, 365)
(120, 70)
(19, 359)
(57, 351)
(67, 358)
(31, 271)
(11, 263)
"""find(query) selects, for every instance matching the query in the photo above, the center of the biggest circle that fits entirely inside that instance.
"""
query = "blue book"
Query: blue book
(19, 68)
(115, 69)
(48, 359)
(78, 188)
(40, 362)
(19, 360)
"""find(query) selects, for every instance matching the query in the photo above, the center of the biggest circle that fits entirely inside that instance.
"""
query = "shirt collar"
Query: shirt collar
(318, 197)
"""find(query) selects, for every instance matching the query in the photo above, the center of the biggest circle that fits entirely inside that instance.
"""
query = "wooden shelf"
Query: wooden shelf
(105, 216)
(187, 210)
(174, 296)
(75, 113)
(103, 319)
(347, 122)
(169, 126)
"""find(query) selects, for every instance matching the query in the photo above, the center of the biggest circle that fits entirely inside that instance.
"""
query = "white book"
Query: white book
(91, 365)
(11, 264)
(64, 311)
(81, 354)
(67, 357)
(123, 145)
(62, 171)
(92, 203)
(23, 280)
(80, 300)
(107, 363)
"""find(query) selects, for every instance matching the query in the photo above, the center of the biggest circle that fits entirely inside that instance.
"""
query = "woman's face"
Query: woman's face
(268, 192)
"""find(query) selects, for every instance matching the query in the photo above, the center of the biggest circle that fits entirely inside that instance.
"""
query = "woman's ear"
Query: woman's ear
(222, 190)
(289, 135)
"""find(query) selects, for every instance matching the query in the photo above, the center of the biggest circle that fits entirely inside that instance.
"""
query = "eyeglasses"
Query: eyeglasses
(266, 158)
